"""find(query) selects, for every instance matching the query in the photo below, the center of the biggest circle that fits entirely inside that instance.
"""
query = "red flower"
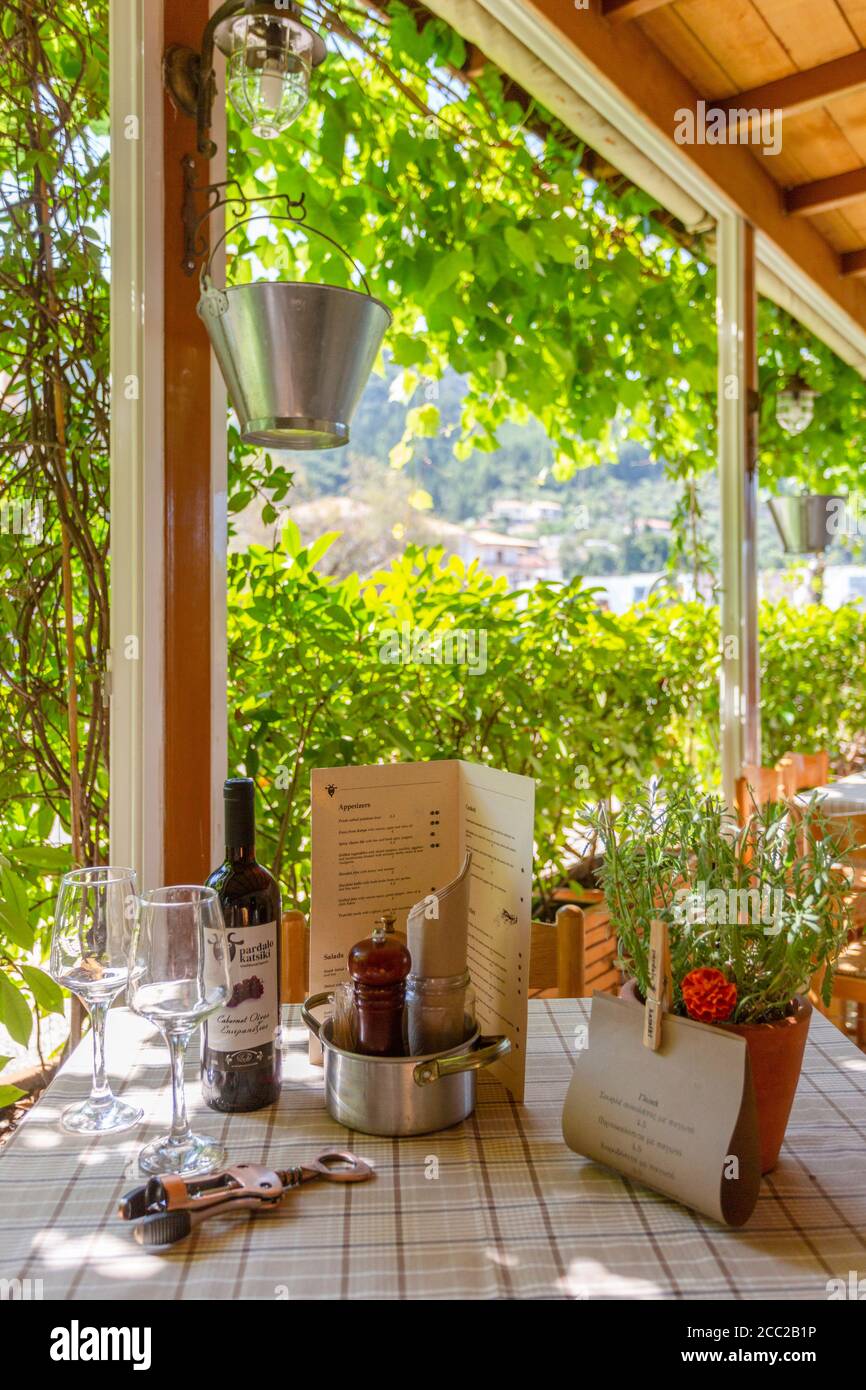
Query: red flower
(708, 996)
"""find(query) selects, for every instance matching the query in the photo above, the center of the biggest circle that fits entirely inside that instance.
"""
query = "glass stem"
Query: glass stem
(180, 1130)
(100, 1091)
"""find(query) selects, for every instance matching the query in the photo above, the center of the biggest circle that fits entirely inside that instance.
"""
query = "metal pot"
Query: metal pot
(400, 1095)
(295, 357)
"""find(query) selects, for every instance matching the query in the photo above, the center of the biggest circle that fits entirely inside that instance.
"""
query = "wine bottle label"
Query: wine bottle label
(250, 1016)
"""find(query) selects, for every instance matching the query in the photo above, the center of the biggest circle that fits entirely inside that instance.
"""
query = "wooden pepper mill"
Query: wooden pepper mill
(378, 967)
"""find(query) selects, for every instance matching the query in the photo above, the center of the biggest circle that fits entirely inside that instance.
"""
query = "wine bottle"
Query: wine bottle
(241, 1061)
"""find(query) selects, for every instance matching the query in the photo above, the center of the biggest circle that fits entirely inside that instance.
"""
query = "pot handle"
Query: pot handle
(487, 1050)
(205, 280)
(315, 1001)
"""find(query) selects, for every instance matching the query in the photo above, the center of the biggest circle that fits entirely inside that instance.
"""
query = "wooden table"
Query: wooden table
(845, 798)
(497, 1207)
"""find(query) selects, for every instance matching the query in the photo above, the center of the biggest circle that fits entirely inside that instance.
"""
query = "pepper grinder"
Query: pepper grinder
(378, 967)
(389, 922)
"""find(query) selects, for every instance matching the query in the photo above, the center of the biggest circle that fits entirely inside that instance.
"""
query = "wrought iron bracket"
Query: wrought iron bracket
(200, 200)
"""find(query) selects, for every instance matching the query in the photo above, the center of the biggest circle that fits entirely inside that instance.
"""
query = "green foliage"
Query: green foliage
(589, 704)
(681, 857)
(557, 301)
(813, 692)
(554, 298)
(54, 423)
(497, 255)
(828, 455)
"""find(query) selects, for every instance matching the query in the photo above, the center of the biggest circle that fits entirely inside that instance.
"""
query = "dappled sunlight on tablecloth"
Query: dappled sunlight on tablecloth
(58, 1251)
(589, 1279)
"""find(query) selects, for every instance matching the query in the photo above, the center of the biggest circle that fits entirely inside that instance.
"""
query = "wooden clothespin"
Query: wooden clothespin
(659, 996)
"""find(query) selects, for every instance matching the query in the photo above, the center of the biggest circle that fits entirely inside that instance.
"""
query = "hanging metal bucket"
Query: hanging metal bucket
(295, 357)
(807, 525)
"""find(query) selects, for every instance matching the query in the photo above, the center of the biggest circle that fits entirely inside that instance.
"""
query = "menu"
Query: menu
(385, 837)
(681, 1119)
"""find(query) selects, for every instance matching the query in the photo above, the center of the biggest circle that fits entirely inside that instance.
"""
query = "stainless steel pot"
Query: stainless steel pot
(400, 1095)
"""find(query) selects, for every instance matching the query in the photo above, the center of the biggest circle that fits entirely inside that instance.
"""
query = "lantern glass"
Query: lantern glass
(269, 72)
(795, 406)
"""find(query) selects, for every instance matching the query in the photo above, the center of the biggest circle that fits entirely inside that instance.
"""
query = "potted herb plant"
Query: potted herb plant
(753, 914)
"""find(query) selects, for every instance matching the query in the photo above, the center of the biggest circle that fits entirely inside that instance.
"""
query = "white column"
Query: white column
(740, 686)
(136, 437)
(219, 505)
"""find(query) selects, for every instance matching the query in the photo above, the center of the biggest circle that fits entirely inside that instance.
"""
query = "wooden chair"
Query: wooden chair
(757, 786)
(574, 955)
(570, 957)
(295, 962)
(795, 772)
(802, 772)
(849, 986)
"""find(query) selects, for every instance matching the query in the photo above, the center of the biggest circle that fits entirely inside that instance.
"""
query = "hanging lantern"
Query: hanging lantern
(270, 53)
(270, 57)
(795, 406)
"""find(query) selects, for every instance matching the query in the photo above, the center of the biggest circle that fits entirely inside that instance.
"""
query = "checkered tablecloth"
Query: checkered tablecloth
(497, 1207)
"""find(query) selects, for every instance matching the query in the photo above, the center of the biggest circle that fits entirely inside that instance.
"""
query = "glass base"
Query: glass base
(103, 1117)
(195, 1154)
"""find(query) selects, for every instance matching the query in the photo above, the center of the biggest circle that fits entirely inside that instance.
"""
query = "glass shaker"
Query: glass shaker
(440, 1012)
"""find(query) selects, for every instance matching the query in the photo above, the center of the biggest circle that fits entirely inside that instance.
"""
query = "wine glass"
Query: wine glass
(90, 956)
(179, 976)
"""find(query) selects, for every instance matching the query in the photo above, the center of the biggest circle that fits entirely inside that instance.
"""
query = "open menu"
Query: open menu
(385, 837)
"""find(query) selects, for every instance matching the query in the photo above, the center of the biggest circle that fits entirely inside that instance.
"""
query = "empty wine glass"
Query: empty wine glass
(90, 956)
(179, 976)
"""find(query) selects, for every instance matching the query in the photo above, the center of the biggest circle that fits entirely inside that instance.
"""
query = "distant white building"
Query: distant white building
(842, 584)
(517, 559)
(509, 512)
(621, 591)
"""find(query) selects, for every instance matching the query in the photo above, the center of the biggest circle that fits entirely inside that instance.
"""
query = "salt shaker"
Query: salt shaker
(378, 967)
(440, 1012)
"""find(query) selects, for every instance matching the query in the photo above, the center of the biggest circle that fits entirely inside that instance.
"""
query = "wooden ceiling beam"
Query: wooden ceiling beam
(854, 263)
(807, 199)
(630, 63)
(801, 91)
(619, 10)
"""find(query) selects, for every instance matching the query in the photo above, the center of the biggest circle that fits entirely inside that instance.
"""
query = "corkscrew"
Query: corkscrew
(171, 1205)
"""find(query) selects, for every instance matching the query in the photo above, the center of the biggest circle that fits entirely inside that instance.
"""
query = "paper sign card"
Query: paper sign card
(681, 1119)
(385, 837)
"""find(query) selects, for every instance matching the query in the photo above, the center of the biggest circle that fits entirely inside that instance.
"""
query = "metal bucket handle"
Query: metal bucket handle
(206, 283)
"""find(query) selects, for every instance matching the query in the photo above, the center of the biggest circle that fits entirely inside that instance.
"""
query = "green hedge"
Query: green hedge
(589, 704)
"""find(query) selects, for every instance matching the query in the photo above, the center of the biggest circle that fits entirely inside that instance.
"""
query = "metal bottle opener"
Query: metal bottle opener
(171, 1205)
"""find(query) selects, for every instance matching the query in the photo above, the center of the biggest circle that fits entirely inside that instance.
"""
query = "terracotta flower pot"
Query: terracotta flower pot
(776, 1056)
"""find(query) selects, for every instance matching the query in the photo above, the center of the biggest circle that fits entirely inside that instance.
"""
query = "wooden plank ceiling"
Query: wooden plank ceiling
(806, 58)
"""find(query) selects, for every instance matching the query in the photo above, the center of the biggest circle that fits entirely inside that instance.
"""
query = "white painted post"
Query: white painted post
(740, 676)
(136, 678)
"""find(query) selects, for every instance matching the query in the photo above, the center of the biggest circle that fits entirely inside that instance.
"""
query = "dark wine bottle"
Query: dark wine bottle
(241, 1061)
